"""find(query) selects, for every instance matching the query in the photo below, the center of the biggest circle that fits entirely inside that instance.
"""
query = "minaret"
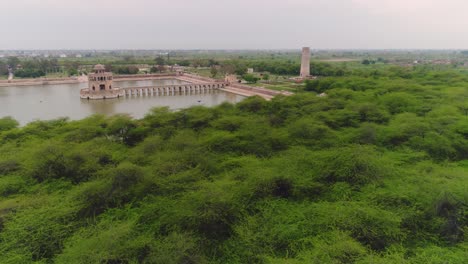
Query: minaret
(305, 64)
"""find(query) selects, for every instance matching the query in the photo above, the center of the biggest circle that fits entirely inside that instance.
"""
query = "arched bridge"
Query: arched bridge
(188, 88)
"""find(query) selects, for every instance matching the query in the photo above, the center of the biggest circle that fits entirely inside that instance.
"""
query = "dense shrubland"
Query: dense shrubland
(376, 172)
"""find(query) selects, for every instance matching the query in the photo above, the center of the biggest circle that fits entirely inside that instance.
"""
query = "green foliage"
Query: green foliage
(160, 61)
(7, 123)
(319, 85)
(29, 73)
(250, 78)
(126, 70)
(354, 164)
(213, 71)
(49, 223)
(375, 172)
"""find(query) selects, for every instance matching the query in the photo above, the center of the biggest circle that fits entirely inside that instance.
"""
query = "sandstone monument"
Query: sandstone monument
(305, 63)
(100, 85)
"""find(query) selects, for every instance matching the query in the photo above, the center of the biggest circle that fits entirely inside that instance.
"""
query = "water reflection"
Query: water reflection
(28, 103)
(104, 106)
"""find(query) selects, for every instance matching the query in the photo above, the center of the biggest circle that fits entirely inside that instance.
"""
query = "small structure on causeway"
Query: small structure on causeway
(100, 85)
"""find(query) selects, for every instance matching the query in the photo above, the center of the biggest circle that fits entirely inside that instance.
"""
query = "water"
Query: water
(45, 102)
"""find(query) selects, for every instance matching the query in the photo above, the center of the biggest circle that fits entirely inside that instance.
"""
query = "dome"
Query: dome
(99, 67)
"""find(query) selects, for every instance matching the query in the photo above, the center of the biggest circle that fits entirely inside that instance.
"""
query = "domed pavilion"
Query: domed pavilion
(100, 85)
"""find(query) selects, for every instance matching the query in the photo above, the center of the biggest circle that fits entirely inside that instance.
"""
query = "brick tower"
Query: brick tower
(305, 63)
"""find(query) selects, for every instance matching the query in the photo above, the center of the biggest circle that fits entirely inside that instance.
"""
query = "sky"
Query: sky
(233, 24)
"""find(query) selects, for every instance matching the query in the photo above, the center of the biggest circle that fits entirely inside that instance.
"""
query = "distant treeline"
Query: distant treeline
(29, 68)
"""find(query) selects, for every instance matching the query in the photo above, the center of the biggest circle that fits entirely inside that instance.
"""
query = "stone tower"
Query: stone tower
(100, 81)
(305, 63)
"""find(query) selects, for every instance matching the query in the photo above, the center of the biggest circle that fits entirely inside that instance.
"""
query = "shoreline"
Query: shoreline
(80, 79)
(234, 88)
(43, 81)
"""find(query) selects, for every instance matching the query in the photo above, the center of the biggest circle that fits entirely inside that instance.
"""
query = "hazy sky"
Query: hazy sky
(233, 24)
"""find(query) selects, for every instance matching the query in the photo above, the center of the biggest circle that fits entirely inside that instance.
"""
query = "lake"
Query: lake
(45, 102)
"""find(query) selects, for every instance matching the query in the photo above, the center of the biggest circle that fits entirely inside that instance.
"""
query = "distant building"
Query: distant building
(63, 55)
(250, 70)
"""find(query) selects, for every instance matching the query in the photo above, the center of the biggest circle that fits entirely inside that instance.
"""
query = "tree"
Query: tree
(266, 77)
(70, 67)
(366, 62)
(160, 61)
(227, 69)
(240, 69)
(128, 58)
(250, 78)
(212, 62)
(7, 123)
(29, 73)
(13, 62)
(319, 85)
(72, 72)
(3, 69)
(214, 71)
(128, 70)
(162, 68)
